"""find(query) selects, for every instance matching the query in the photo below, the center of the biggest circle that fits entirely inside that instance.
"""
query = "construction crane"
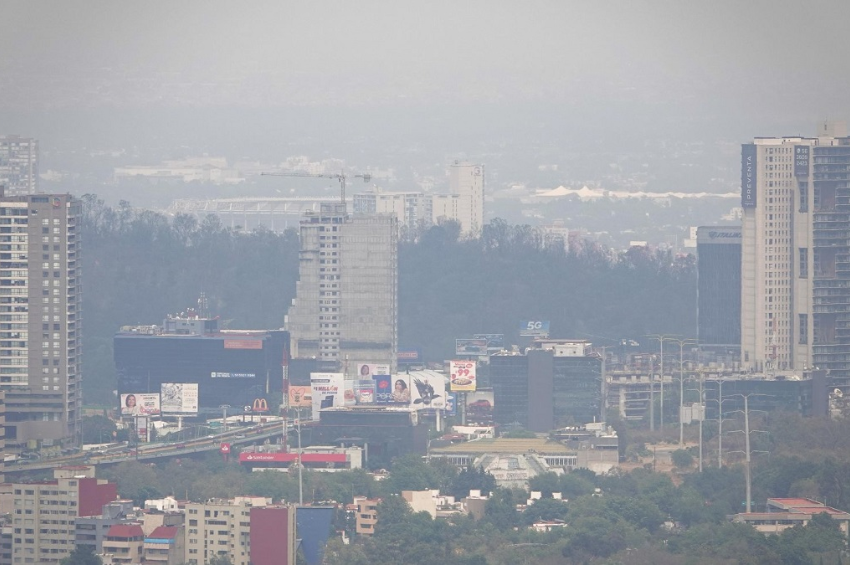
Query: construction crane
(341, 177)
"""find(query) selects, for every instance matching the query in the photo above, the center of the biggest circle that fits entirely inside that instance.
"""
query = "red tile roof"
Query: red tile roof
(164, 532)
(125, 531)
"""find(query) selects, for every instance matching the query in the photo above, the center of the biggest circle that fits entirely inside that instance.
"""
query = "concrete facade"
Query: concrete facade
(45, 513)
(19, 164)
(40, 304)
(366, 515)
(346, 306)
(467, 181)
(795, 295)
(220, 528)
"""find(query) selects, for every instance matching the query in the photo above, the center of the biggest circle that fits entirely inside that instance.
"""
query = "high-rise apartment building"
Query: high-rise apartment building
(43, 522)
(2, 434)
(463, 204)
(246, 530)
(413, 209)
(467, 181)
(19, 164)
(346, 307)
(795, 256)
(40, 316)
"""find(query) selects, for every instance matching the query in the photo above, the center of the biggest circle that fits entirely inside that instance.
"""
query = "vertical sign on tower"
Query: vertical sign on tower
(801, 160)
(748, 176)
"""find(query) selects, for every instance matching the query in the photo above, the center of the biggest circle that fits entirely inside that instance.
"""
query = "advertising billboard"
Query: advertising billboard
(179, 398)
(327, 390)
(476, 347)
(300, 396)
(534, 328)
(749, 197)
(368, 370)
(222, 375)
(494, 341)
(462, 375)
(427, 390)
(383, 389)
(348, 396)
(140, 404)
(408, 356)
(721, 235)
(142, 424)
(243, 344)
(451, 404)
(364, 391)
(801, 160)
(479, 407)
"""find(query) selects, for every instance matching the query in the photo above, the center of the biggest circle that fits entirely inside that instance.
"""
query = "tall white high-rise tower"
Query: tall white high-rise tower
(795, 255)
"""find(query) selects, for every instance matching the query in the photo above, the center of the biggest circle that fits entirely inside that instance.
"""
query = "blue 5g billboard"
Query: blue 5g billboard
(534, 328)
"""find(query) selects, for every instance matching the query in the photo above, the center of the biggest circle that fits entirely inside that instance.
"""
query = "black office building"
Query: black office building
(541, 391)
(719, 285)
(232, 368)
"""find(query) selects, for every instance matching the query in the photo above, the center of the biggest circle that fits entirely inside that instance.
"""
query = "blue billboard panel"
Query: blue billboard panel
(534, 328)
(383, 389)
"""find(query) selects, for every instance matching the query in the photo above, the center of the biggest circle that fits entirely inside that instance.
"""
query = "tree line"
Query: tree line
(140, 265)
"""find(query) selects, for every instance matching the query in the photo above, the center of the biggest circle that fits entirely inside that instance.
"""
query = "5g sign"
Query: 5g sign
(534, 328)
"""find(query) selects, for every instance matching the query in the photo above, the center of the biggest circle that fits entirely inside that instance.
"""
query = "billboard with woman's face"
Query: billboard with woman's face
(140, 404)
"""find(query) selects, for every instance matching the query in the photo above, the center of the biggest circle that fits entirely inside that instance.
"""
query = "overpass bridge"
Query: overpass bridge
(154, 452)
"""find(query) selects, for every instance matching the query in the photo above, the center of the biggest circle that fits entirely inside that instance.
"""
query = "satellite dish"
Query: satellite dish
(837, 392)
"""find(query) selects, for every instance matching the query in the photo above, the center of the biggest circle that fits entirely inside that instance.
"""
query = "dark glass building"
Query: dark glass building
(719, 285)
(542, 391)
(229, 367)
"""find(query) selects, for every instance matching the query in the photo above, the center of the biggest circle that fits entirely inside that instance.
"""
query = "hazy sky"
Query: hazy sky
(286, 52)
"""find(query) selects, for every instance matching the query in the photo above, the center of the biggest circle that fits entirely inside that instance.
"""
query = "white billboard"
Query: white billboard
(327, 390)
(369, 370)
(427, 389)
(140, 404)
(179, 398)
(462, 375)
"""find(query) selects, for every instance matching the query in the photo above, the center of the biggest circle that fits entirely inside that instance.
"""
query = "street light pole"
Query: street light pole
(682, 343)
(660, 338)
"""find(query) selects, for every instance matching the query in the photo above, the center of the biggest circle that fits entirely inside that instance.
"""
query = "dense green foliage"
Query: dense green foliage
(634, 517)
(140, 265)
(82, 555)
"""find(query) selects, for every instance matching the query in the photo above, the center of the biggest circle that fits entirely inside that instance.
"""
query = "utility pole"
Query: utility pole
(224, 408)
(300, 466)
(701, 415)
(652, 393)
(747, 449)
(719, 382)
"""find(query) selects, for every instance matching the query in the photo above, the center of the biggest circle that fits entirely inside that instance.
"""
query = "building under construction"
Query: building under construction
(346, 308)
